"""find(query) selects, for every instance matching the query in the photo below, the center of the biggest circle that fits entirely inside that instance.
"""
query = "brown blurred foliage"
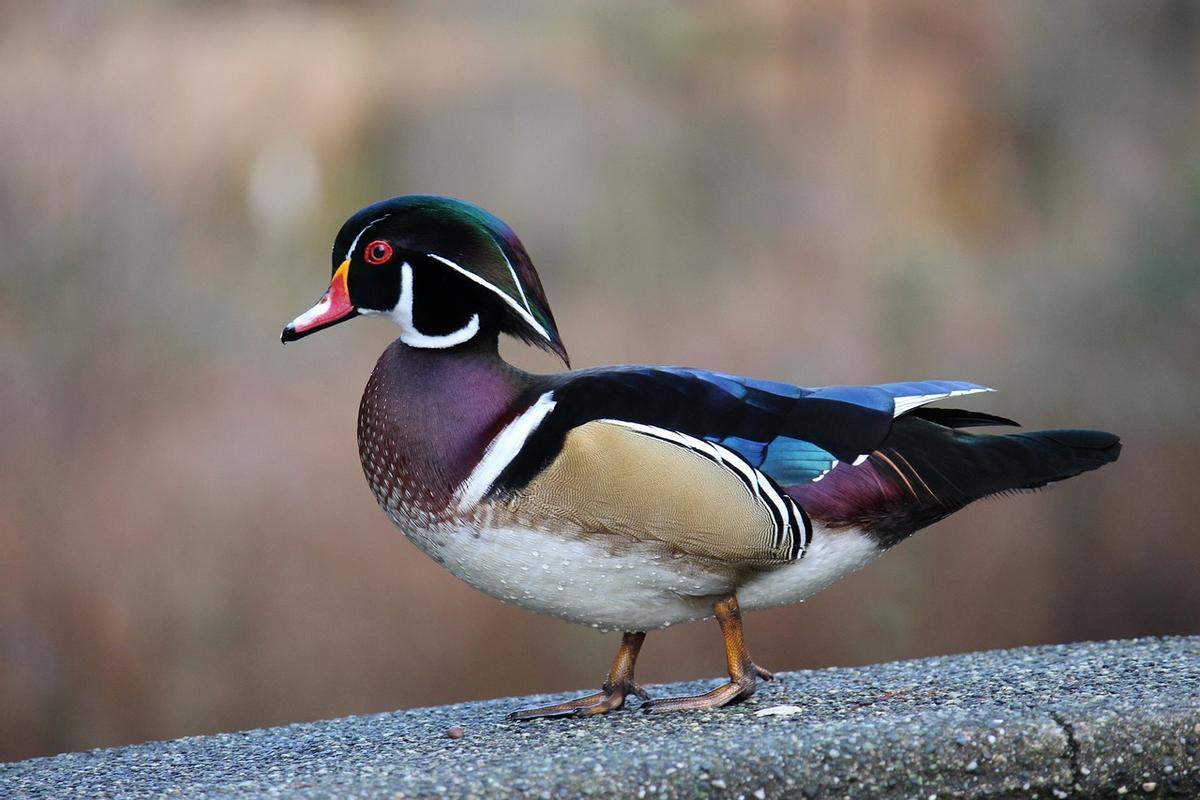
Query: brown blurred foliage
(823, 192)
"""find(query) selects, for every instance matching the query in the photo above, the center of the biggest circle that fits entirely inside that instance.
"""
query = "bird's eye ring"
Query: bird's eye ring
(377, 252)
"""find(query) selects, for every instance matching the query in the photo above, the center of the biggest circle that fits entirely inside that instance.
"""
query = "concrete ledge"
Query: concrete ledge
(1085, 720)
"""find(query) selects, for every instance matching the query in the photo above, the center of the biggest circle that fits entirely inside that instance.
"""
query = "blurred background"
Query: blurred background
(826, 192)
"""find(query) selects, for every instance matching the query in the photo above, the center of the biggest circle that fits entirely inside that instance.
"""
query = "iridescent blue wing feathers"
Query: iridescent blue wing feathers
(791, 433)
(872, 457)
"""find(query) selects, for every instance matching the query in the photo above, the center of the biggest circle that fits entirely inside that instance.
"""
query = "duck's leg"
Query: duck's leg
(619, 684)
(742, 670)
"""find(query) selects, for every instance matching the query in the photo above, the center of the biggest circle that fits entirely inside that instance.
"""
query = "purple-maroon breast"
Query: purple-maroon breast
(426, 418)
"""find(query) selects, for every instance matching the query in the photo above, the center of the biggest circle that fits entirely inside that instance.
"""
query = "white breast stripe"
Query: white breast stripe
(906, 404)
(502, 450)
(790, 530)
(524, 311)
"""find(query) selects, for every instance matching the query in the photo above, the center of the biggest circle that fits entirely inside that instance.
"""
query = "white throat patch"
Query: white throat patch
(402, 315)
(522, 308)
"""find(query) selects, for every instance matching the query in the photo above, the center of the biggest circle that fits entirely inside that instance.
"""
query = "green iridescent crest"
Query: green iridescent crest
(474, 242)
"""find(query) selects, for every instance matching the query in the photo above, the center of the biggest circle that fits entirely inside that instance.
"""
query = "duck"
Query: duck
(631, 498)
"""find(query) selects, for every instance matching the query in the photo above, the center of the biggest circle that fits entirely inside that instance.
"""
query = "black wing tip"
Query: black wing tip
(961, 418)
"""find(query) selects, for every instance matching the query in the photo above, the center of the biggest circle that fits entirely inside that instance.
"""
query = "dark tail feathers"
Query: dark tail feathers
(1027, 460)
(1032, 460)
(936, 470)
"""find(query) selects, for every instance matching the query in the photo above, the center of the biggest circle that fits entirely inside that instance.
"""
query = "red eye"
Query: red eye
(377, 252)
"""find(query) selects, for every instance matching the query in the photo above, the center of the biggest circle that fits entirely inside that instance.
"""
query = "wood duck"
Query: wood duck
(631, 498)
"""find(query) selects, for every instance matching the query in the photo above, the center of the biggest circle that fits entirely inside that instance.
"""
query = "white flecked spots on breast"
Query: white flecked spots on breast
(549, 561)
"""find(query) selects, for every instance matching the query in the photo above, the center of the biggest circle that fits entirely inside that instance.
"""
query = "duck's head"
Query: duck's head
(444, 270)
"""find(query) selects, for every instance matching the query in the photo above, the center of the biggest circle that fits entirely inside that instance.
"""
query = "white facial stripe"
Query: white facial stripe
(517, 281)
(354, 244)
(402, 315)
(524, 311)
(502, 450)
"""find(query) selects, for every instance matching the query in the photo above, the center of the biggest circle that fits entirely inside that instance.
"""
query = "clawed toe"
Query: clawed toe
(565, 709)
(601, 702)
(743, 673)
(612, 702)
(620, 684)
(743, 678)
(723, 695)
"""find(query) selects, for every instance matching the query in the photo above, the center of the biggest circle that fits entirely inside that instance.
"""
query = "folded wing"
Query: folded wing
(638, 482)
(711, 464)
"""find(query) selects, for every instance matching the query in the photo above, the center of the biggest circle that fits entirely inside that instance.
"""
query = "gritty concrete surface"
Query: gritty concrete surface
(1106, 719)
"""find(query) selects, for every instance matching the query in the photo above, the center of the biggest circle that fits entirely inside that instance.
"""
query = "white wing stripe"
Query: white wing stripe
(767, 490)
(905, 404)
(783, 510)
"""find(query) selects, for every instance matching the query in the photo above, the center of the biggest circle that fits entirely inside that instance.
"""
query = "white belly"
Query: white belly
(831, 555)
(639, 589)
